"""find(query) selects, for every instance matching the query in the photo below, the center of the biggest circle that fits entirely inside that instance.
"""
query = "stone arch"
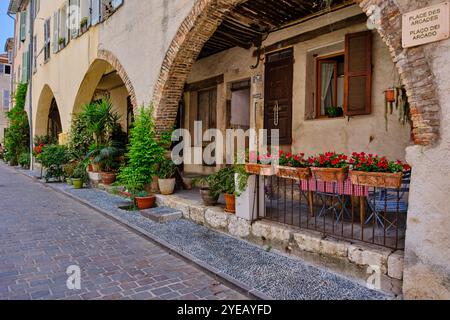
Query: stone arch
(105, 59)
(46, 102)
(207, 15)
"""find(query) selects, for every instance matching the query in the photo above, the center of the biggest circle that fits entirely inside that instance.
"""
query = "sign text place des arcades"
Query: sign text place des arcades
(426, 25)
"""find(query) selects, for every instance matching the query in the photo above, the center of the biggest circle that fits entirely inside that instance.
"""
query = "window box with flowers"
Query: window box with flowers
(375, 171)
(293, 167)
(329, 167)
(260, 165)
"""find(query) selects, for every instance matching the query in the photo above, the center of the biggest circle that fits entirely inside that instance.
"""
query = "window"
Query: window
(74, 17)
(340, 75)
(47, 40)
(330, 83)
(6, 99)
(240, 105)
(5, 68)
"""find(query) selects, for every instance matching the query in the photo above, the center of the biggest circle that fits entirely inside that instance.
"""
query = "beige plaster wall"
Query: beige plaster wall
(63, 73)
(362, 133)
(427, 256)
(139, 35)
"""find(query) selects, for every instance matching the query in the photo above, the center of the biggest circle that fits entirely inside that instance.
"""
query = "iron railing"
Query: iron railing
(339, 209)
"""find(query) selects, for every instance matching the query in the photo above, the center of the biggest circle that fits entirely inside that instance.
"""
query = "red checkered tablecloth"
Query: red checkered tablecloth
(345, 188)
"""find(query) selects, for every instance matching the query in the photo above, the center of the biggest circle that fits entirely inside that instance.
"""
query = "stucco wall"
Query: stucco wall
(139, 35)
(427, 259)
(361, 133)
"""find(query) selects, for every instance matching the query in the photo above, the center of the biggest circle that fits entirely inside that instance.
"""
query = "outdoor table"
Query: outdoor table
(346, 188)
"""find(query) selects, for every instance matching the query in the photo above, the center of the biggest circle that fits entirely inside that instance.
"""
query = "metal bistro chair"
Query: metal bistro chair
(338, 208)
(389, 201)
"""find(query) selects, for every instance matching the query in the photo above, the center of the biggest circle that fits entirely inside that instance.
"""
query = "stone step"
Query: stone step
(162, 214)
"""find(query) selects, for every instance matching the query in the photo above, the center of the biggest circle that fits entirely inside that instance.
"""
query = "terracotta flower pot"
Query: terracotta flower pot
(330, 174)
(390, 95)
(377, 179)
(230, 201)
(77, 183)
(260, 169)
(294, 173)
(108, 178)
(208, 200)
(144, 203)
(166, 186)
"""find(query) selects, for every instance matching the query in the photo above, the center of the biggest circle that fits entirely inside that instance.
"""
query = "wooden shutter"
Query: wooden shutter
(23, 25)
(358, 74)
(55, 31)
(95, 12)
(116, 4)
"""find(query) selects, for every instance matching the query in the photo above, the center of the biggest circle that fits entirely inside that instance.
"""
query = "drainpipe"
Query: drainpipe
(30, 79)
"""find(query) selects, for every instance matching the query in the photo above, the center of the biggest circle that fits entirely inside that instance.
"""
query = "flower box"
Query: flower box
(377, 179)
(260, 169)
(294, 173)
(330, 174)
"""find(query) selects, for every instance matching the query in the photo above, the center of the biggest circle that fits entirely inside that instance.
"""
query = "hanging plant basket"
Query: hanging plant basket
(330, 174)
(390, 95)
(294, 173)
(377, 179)
(260, 169)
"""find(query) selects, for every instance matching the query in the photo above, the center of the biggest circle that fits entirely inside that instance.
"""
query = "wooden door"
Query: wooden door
(278, 94)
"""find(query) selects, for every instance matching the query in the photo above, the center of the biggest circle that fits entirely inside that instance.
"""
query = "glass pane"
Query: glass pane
(327, 85)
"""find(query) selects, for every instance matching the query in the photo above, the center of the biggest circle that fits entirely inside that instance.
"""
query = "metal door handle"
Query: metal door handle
(276, 116)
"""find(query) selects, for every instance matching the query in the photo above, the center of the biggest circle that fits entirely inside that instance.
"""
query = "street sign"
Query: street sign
(426, 25)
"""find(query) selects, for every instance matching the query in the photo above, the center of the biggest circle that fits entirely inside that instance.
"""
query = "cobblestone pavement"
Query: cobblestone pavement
(42, 233)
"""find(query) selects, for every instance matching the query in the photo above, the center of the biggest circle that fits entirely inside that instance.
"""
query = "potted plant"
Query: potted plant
(329, 167)
(108, 159)
(260, 165)
(375, 171)
(61, 42)
(134, 183)
(227, 182)
(166, 177)
(69, 169)
(335, 112)
(144, 152)
(79, 176)
(209, 189)
(293, 166)
(84, 24)
(390, 95)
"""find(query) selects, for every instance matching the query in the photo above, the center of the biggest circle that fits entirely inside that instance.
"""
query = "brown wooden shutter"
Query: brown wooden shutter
(358, 73)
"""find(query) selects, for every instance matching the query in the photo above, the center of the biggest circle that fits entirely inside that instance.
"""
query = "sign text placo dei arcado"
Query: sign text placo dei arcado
(426, 25)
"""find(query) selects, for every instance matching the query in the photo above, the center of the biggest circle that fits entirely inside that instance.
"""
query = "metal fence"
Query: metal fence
(339, 209)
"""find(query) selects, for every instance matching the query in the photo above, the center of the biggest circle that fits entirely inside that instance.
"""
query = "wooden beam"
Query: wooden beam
(204, 84)
(361, 18)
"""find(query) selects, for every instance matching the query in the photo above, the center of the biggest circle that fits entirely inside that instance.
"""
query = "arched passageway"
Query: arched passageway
(106, 78)
(208, 16)
(48, 122)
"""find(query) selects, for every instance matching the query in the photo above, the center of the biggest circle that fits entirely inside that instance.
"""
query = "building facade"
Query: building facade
(214, 61)
(5, 90)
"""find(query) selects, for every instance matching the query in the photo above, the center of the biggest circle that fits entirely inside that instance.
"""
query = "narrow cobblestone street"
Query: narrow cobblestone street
(42, 233)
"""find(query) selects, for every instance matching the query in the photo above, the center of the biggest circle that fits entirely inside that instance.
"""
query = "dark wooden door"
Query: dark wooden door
(278, 94)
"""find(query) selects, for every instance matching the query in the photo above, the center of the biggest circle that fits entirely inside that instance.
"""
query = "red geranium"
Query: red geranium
(329, 160)
(374, 163)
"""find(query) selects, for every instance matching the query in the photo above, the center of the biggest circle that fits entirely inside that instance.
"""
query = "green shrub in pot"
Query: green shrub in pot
(166, 177)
